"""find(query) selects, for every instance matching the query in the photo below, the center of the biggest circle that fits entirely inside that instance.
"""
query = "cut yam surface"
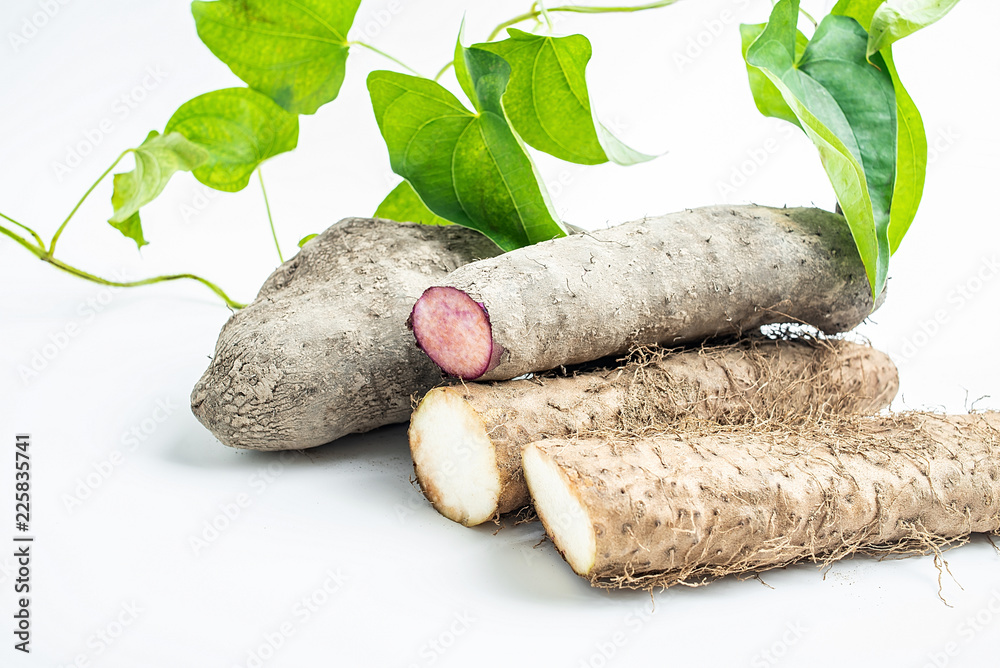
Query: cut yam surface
(558, 505)
(458, 473)
(454, 330)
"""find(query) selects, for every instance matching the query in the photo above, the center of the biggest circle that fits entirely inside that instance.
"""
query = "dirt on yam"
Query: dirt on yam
(323, 351)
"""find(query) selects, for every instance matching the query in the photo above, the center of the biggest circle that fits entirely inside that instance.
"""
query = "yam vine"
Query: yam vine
(471, 164)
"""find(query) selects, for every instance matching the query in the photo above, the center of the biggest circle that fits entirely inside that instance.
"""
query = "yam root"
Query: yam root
(466, 439)
(323, 350)
(690, 506)
(669, 280)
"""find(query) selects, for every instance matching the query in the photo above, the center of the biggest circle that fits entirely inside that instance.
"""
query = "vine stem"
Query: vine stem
(55, 237)
(38, 239)
(808, 17)
(39, 251)
(444, 69)
(38, 248)
(382, 53)
(145, 281)
(537, 11)
(270, 220)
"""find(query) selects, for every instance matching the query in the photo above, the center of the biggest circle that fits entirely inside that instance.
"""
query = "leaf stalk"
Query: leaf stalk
(539, 9)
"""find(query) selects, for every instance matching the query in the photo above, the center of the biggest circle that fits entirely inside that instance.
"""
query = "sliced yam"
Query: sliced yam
(688, 506)
(456, 433)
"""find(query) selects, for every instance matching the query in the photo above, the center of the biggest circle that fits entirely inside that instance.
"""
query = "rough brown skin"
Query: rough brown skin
(757, 380)
(686, 507)
(678, 278)
(323, 350)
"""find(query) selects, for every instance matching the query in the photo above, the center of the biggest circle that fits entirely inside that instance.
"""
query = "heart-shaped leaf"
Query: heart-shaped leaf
(468, 168)
(157, 159)
(293, 51)
(240, 128)
(895, 19)
(547, 100)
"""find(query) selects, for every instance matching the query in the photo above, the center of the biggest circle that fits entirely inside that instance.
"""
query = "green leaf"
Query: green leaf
(240, 128)
(482, 76)
(157, 159)
(404, 205)
(306, 239)
(461, 70)
(911, 138)
(547, 100)
(847, 107)
(766, 95)
(468, 168)
(861, 11)
(131, 227)
(896, 19)
(911, 159)
(295, 52)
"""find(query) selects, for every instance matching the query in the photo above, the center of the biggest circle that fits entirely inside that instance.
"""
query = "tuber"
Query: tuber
(689, 505)
(466, 439)
(323, 350)
(668, 280)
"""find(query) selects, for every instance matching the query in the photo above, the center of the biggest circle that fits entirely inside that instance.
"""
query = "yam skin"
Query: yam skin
(684, 507)
(679, 278)
(323, 350)
(756, 380)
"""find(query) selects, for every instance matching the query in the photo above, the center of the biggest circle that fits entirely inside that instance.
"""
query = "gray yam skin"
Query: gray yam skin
(324, 349)
(668, 280)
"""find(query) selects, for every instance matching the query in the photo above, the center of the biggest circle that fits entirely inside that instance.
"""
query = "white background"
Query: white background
(414, 588)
